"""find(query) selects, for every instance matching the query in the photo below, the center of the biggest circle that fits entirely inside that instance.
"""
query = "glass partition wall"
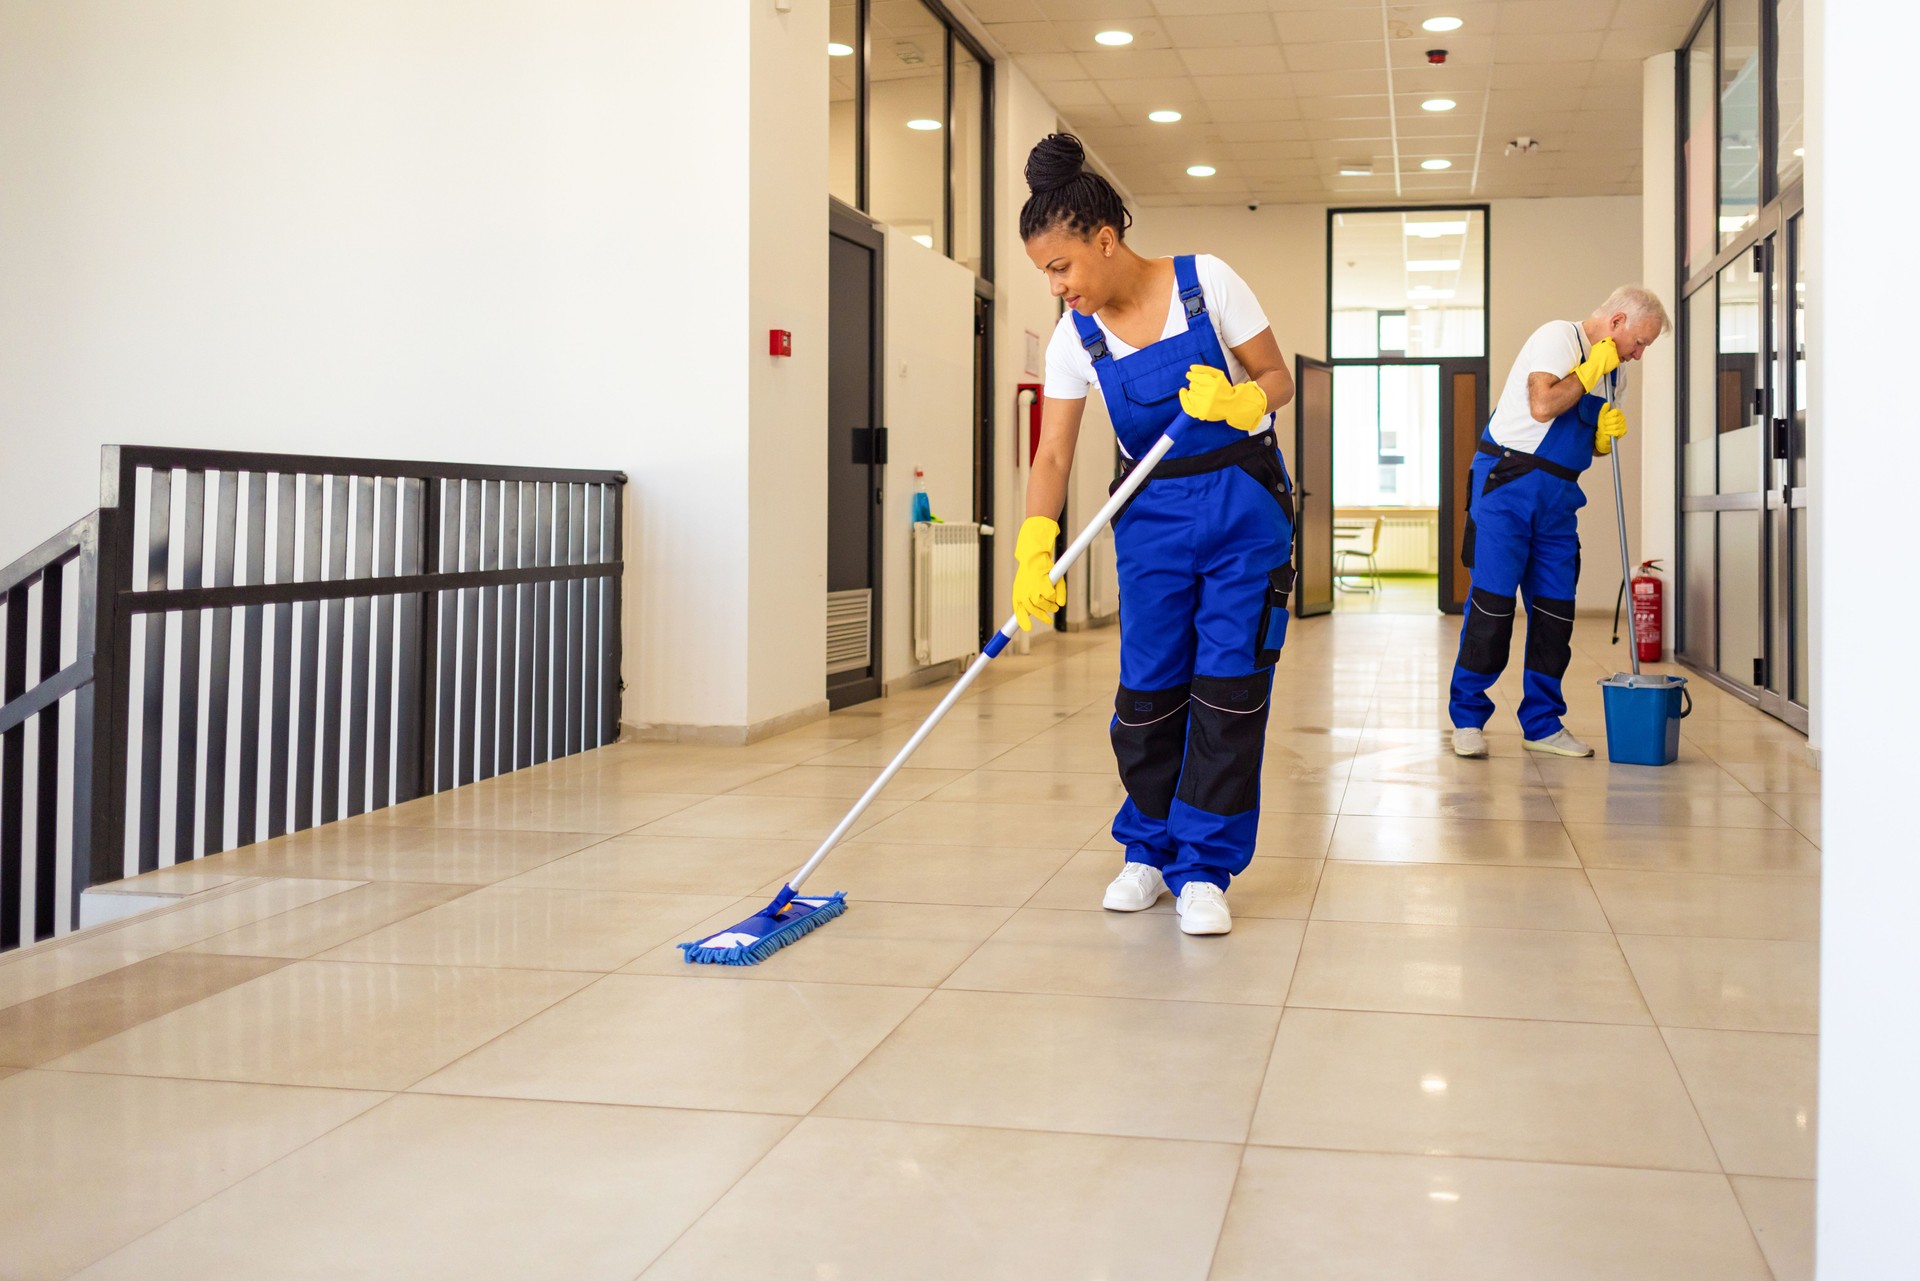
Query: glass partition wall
(1741, 608)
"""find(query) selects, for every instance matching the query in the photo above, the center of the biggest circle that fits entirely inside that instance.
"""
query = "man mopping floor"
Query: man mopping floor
(1523, 499)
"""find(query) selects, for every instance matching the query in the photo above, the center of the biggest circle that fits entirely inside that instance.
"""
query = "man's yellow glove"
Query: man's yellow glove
(1612, 426)
(1601, 361)
(1209, 397)
(1033, 596)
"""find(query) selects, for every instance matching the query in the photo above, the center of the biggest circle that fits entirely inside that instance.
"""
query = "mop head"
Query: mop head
(779, 923)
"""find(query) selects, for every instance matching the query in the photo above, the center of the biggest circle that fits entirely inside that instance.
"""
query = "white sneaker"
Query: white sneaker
(1469, 740)
(1561, 744)
(1202, 906)
(1137, 888)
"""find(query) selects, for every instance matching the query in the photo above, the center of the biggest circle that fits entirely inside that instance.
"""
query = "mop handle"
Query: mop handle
(1626, 567)
(1136, 478)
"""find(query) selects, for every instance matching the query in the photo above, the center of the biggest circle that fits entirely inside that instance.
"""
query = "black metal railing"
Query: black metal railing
(256, 643)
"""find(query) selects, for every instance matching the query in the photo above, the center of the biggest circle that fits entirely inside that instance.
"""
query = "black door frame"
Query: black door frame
(870, 448)
(1304, 498)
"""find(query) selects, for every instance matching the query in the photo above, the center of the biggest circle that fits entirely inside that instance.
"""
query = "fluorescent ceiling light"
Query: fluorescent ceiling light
(1443, 24)
(924, 126)
(837, 50)
(1438, 104)
(1356, 169)
(1434, 230)
(1201, 171)
(1163, 117)
(1114, 38)
(1433, 264)
(1436, 164)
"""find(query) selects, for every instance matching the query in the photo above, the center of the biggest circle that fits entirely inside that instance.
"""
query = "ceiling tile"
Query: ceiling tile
(1094, 10)
(1296, 27)
(1133, 64)
(1075, 93)
(1220, 30)
(1229, 88)
(1269, 150)
(1640, 42)
(1095, 113)
(1247, 60)
(1342, 55)
(1338, 83)
(1152, 91)
(1345, 107)
(1549, 16)
(1047, 68)
(1028, 37)
(992, 11)
(1147, 36)
(1561, 77)
(1675, 15)
(1549, 47)
(1208, 8)
(1245, 110)
(1262, 131)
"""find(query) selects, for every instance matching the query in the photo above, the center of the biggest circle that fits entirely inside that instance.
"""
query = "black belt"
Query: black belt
(1254, 455)
(1528, 462)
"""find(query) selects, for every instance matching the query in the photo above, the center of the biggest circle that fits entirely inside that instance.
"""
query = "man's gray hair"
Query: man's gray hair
(1636, 303)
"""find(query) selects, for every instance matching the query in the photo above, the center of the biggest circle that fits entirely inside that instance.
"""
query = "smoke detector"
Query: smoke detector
(1523, 145)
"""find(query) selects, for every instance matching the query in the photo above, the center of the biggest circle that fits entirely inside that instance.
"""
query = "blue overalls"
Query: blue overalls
(1521, 537)
(1205, 551)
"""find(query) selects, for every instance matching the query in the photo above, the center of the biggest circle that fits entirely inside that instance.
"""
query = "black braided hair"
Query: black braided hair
(1066, 194)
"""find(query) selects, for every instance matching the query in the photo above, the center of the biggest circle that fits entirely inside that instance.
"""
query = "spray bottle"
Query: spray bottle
(922, 505)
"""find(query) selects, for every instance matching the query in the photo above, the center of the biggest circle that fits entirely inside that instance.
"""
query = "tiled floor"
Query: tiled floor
(1512, 1018)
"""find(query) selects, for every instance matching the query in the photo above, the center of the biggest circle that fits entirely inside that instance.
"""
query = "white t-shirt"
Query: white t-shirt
(1555, 348)
(1231, 306)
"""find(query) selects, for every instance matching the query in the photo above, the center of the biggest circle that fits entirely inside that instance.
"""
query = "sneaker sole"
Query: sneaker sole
(1544, 750)
(1111, 906)
(1203, 931)
(1480, 755)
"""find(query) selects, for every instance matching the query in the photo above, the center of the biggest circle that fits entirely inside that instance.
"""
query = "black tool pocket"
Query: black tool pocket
(1270, 470)
(1271, 635)
(1466, 542)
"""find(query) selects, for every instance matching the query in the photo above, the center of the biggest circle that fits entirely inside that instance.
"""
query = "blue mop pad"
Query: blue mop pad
(779, 923)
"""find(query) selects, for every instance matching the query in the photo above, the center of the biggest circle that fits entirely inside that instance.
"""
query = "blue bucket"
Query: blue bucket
(1643, 717)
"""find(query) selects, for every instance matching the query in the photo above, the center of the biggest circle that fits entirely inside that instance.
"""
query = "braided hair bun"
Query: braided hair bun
(1066, 194)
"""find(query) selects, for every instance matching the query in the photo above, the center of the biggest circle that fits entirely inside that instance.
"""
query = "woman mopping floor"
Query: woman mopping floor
(1205, 548)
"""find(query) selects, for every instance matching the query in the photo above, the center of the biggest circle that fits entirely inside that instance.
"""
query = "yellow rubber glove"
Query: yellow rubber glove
(1033, 596)
(1611, 427)
(1601, 361)
(1209, 397)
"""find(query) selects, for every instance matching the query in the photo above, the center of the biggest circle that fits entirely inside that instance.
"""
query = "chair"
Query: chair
(1365, 537)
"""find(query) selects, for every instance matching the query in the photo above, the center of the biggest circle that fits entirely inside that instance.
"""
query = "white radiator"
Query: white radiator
(946, 591)
(1409, 545)
(1103, 577)
(849, 630)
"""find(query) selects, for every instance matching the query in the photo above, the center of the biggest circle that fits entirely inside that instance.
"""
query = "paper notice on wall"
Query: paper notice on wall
(1033, 354)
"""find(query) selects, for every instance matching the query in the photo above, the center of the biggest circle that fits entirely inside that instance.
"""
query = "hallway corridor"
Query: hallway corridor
(1476, 1021)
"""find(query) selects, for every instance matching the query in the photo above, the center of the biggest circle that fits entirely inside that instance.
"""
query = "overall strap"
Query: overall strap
(1091, 338)
(1186, 278)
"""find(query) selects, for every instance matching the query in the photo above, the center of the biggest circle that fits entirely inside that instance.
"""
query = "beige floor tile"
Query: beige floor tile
(849, 782)
(1733, 984)
(34, 972)
(1301, 798)
(1052, 789)
(686, 1042)
(370, 1027)
(1663, 809)
(40, 1030)
(1781, 1213)
(452, 1189)
(985, 875)
(218, 911)
(1436, 969)
(1372, 839)
(307, 931)
(1287, 835)
(1696, 775)
(892, 944)
(355, 851)
(1433, 764)
(1757, 1093)
(882, 1201)
(1523, 898)
(683, 774)
(1719, 905)
(1133, 954)
(1776, 852)
(1427, 800)
(1151, 1069)
(1351, 1216)
(1582, 1093)
(1797, 808)
(1085, 756)
(769, 818)
(1040, 826)
(641, 864)
(940, 751)
(1776, 776)
(94, 1162)
(536, 929)
(515, 807)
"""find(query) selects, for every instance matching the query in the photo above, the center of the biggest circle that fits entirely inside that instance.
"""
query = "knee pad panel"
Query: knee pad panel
(1226, 738)
(1149, 740)
(1488, 633)
(1549, 635)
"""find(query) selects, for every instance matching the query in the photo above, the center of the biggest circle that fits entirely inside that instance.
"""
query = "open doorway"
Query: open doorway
(1407, 333)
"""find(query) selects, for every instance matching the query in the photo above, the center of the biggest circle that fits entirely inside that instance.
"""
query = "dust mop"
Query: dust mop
(792, 916)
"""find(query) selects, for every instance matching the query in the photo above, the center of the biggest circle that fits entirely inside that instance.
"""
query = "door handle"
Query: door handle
(1781, 443)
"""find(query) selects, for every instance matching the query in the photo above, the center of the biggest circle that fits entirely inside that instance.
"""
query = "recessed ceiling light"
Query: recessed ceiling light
(1438, 104)
(924, 126)
(1443, 24)
(1436, 164)
(1434, 230)
(1433, 264)
(1356, 169)
(1163, 117)
(1114, 38)
(1201, 171)
(837, 50)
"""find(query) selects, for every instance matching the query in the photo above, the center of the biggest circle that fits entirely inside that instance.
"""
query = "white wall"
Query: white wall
(929, 404)
(365, 228)
(1654, 426)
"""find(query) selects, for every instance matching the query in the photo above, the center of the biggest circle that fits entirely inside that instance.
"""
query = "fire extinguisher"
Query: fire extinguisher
(1649, 614)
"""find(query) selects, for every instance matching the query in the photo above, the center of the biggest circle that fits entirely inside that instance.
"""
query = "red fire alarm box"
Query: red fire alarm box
(779, 342)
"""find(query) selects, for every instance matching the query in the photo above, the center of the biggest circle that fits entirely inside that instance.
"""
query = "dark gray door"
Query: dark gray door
(1313, 486)
(856, 451)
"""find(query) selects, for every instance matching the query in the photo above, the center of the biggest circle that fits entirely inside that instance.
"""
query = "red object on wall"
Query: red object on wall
(1649, 616)
(1033, 417)
(779, 342)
